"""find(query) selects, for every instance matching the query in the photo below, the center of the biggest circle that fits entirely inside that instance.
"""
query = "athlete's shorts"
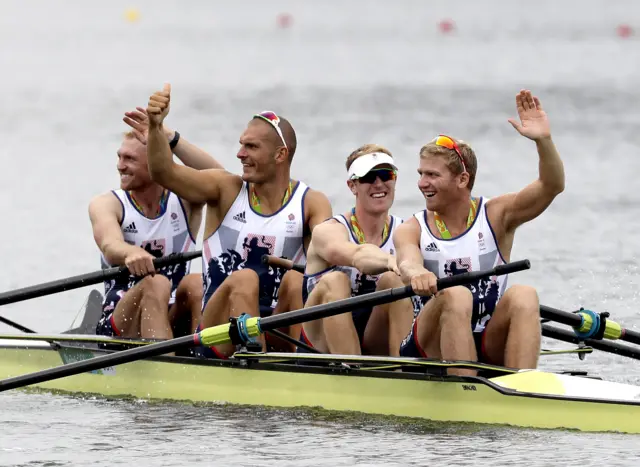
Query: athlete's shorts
(106, 326)
(410, 346)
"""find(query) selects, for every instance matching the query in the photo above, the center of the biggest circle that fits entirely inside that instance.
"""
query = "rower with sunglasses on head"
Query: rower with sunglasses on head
(352, 254)
(459, 232)
(263, 211)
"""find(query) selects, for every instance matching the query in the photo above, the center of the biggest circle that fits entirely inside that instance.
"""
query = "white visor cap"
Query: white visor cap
(363, 164)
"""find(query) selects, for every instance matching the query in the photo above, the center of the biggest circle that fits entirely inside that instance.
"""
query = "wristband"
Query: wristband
(174, 142)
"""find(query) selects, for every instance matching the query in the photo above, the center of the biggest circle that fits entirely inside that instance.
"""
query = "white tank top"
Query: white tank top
(360, 283)
(169, 233)
(244, 236)
(474, 250)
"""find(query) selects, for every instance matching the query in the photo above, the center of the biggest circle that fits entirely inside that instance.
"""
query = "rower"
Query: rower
(352, 254)
(458, 232)
(185, 315)
(263, 211)
(134, 225)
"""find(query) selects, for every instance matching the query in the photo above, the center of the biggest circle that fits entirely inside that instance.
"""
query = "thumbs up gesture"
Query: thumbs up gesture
(158, 107)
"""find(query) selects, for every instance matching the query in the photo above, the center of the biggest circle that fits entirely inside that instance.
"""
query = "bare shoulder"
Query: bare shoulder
(316, 199)
(409, 225)
(228, 183)
(222, 176)
(104, 208)
(498, 206)
(108, 202)
(330, 229)
(317, 207)
(408, 231)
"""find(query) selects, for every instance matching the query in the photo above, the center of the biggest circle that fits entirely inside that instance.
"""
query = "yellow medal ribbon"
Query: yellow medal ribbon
(357, 231)
(255, 201)
(442, 228)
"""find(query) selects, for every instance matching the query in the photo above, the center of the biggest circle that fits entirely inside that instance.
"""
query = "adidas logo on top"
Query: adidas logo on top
(240, 218)
(432, 247)
(131, 228)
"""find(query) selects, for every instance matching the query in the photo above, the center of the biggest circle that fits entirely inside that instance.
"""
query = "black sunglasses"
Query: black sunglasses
(383, 174)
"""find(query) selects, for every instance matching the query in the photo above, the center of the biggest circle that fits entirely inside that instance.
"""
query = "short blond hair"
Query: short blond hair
(366, 149)
(452, 158)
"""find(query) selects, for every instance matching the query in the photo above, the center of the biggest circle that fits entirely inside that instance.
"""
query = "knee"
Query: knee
(335, 285)
(244, 281)
(523, 298)
(389, 280)
(292, 280)
(156, 286)
(190, 288)
(456, 301)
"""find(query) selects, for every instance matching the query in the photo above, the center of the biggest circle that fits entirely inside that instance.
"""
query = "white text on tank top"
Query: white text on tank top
(167, 234)
(244, 236)
(366, 283)
(474, 250)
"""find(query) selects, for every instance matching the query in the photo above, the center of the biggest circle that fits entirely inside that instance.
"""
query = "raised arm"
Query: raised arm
(196, 186)
(190, 155)
(518, 208)
(406, 240)
(331, 242)
(105, 213)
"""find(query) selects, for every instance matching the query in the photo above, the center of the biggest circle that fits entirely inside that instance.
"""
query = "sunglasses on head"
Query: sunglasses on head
(448, 142)
(271, 118)
(383, 174)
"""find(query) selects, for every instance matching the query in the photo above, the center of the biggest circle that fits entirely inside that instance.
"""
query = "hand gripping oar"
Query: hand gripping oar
(588, 324)
(75, 282)
(243, 329)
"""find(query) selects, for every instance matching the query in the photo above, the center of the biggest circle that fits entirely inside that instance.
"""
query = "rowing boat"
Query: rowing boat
(405, 387)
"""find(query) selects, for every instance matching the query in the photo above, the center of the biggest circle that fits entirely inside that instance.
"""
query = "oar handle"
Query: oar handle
(83, 280)
(283, 263)
(469, 277)
(381, 297)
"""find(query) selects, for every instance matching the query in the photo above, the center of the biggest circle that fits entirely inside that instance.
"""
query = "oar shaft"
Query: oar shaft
(583, 321)
(18, 326)
(381, 297)
(606, 346)
(83, 280)
(612, 329)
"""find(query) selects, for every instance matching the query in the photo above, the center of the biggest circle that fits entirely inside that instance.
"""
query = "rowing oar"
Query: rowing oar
(589, 327)
(606, 346)
(18, 326)
(244, 328)
(588, 324)
(75, 282)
